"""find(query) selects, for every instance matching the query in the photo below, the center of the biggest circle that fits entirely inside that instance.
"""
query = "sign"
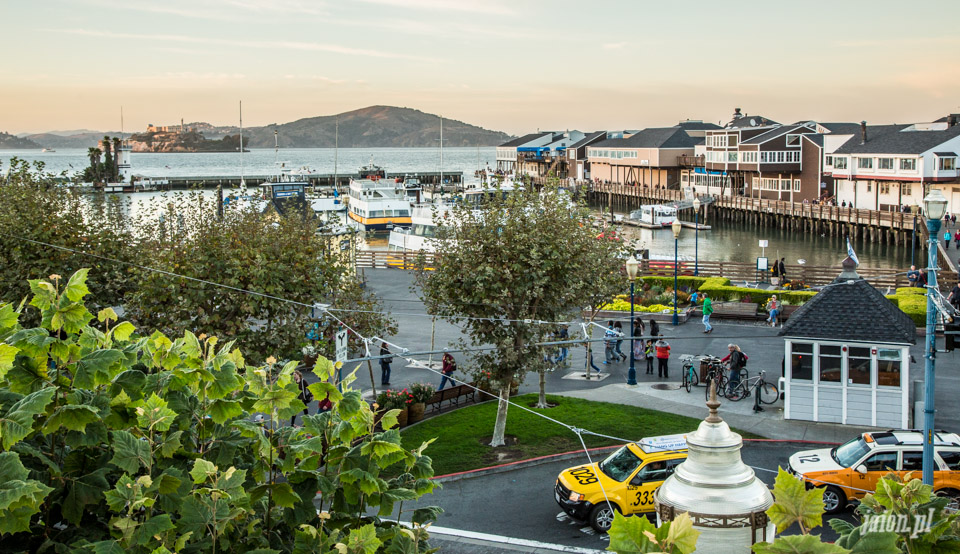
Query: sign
(762, 264)
(763, 244)
(663, 443)
(341, 350)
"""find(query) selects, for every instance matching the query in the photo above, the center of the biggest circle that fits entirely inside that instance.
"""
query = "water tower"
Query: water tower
(721, 494)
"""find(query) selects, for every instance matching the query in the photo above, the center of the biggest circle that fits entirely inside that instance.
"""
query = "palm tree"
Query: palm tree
(93, 172)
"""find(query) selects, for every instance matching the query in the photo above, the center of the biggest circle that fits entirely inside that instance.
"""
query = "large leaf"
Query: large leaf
(18, 421)
(129, 452)
(634, 534)
(363, 540)
(156, 525)
(794, 503)
(8, 317)
(123, 331)
(84, 491)
(202, 470)
(222, 411)
(76, 287)
(72, 417)
(20, 497)
(155, 415)
(682, 535)
(7, 355)
(798, 544)
(95, 368)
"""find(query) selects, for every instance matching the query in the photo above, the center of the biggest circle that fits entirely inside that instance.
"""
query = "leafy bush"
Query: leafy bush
(422, 392)
(395, 399)
(116, 442)
(719, 288)
(683, 282)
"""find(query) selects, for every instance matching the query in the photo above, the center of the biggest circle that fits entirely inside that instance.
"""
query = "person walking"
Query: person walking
(609, 343)
(563, 334)
(776, 273)
(449, 366)
(773, 308)
(618, 330)
(956, 238)
(304, 395)
(707, 311)
(663, 356)
(783, 271)
(385, 365)
(947, 237)
(954, 297)
(648, 351)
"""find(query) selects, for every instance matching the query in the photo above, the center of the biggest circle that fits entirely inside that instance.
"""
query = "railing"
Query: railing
(690, 161)
(894, 220)
(880, 278)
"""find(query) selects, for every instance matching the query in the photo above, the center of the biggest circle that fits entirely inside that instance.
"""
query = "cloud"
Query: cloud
(221, 10)
(614, 45)
(278, 44)
(486, 7)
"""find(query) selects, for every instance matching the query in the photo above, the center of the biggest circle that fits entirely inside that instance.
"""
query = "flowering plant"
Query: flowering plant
(309, 351)
(394, 399)
(482, 378)
(422, 392)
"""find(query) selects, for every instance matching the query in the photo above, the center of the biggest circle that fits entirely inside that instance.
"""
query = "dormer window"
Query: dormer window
(948, 164)
(793, 140)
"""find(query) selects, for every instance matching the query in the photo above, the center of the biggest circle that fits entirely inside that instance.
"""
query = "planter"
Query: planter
(402, 418)
(415, 412)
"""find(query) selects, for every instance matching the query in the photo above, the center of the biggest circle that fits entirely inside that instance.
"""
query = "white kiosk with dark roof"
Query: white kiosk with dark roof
(847, 353)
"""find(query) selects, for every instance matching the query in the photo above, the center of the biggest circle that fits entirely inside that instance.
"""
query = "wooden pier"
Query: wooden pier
(427, 178)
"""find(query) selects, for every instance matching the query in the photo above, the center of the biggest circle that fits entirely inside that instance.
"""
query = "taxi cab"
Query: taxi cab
(629, 477)
(850, 471)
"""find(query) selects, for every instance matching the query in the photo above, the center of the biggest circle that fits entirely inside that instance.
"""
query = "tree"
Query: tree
(124, 442)
(36, 210)
(92, 173)
(279, 256)
(522, 259)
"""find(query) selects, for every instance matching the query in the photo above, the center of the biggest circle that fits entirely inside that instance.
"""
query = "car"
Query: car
(626, 481)
(851, 470)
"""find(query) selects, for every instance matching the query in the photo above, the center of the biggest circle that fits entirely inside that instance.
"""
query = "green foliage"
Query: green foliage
(798, 544)
(912, 304)
(917, 505)
(532, 257)
(795, 503)
(638, 534)
(719, 289)
(120, 442)
(683, 282)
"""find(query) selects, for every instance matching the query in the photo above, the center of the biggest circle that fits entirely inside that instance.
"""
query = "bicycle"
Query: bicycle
(765, 393)
(690, 378)
(716, 373)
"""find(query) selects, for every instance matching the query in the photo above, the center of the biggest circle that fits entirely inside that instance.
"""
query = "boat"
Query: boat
(379, 204)
(656, 215)
(422, 230)
(48, 150)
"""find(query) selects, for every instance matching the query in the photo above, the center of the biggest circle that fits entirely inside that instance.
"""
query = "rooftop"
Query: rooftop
(655, 137)
(898, 139)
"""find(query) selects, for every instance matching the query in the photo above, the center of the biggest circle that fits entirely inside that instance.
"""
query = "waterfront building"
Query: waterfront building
(847, 356)
(578, 164)
(886, 167)
(540, 160)
(649, 158)
(507, 152)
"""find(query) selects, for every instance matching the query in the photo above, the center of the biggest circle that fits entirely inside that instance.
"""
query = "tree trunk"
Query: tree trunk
(501, 425)
(542, 403)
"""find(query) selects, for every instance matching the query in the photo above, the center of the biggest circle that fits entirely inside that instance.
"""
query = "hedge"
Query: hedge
(719, 288)
(683, 282)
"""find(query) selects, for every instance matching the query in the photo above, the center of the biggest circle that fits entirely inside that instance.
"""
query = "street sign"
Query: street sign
(763, 244)
(341, 350)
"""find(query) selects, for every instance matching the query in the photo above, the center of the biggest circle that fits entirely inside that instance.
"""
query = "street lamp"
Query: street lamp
(676, 242)
(935, 206)
(696, 236)
(632, 269)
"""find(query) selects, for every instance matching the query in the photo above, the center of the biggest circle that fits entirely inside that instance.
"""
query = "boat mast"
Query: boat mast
(243, 185)
(336, 150)
(276, 155)
(441, 155)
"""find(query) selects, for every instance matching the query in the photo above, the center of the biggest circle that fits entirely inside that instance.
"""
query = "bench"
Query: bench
(735, 310)
(451, 396)
(786, 310)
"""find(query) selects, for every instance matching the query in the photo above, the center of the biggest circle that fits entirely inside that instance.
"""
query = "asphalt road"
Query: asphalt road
(520, 503)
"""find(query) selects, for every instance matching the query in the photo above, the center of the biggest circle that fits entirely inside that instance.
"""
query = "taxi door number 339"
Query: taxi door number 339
(584, 476)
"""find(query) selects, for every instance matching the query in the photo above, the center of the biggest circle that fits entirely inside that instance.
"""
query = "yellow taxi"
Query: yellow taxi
(850, 471)
(629, 477)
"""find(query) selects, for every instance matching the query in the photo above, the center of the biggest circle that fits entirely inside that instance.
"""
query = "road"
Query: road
(520, 503)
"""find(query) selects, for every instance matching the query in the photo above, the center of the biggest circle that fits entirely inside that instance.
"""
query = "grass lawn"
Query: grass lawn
(463, 435)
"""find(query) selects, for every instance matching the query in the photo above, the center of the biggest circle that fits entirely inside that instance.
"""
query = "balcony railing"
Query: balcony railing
(690, 161)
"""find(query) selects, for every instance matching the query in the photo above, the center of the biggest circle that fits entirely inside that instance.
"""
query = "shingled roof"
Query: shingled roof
(654, 137)
(851, 309)
(520, 141)
(898, 139)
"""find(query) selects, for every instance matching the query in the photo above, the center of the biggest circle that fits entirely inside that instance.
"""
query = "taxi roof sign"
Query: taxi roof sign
(663, 443)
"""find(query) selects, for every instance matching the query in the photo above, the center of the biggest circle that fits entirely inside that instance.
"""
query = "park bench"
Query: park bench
(451, 396)
(735, 310)
(786, 311)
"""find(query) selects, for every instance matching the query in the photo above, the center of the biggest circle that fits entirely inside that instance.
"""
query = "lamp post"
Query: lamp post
(935, 205)
(632, 268)
(676, 244)
(696, 236)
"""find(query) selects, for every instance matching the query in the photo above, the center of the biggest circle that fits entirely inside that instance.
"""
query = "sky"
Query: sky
(510, 65)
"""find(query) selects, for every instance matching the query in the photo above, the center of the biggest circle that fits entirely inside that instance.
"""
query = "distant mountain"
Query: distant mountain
(86, 139)
(375, 126)
(13, 142)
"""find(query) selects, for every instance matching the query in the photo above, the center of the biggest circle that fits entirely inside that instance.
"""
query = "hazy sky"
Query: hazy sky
(512, 65)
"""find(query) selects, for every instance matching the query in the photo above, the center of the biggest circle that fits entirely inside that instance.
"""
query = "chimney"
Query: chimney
(951, 120)
(736, 113)
(863, 132)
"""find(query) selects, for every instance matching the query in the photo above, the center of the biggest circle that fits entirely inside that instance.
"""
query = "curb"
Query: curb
(549, 458)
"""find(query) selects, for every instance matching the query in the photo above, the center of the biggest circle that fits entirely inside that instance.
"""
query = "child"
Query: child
(648, 352)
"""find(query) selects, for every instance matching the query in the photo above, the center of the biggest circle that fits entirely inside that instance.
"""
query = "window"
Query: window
(912, 461)
(748, 157)
(801, 361)
(830, 363)
(619, 465)
(865, 163)
(653, 471)
(732, 140)
(882, 461)
(885, 163)
(906, 189)
(869, 186)
(908, 165)
(948, 164)
(828, 160)
(756, 183)
(839, 163)
(784, 184)
(796, 185)
(732, 157)
(888, 367)
(951, 458)
(793, 140)
(884, 188)
(685, 177)
(858, 366)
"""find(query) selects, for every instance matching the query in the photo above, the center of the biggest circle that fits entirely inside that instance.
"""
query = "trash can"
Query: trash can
(704, 367)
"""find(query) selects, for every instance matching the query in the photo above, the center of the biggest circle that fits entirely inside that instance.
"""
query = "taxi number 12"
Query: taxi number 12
(584, 476)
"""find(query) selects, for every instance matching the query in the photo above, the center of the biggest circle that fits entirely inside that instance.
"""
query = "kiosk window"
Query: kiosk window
(801, 361)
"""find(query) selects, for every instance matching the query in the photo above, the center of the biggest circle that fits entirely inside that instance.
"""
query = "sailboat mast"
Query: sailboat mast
(336, 150)
(242, 183)
(276, 154)
(441, 153)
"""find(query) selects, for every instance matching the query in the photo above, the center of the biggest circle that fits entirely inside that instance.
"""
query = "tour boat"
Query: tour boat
(422, 229)
(379, 204)
(655, 214)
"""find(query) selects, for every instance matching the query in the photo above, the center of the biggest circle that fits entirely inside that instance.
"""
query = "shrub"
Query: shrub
(422, 392)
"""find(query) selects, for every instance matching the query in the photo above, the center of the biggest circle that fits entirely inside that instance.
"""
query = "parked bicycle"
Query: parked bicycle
(764, 392)
(716, 372)
(690, 378)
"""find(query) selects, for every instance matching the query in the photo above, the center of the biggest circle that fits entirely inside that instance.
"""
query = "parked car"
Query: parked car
(626, 481)
(850, 471)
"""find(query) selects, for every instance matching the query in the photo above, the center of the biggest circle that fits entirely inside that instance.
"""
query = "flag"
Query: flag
(851, 253)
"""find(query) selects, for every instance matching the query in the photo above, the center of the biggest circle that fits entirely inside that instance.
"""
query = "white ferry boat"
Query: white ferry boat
(418, 236)
(660, 215)
(378, 204)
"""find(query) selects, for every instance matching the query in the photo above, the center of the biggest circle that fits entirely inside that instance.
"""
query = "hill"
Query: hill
(85, 139)
(13, 142)
(375, 126)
